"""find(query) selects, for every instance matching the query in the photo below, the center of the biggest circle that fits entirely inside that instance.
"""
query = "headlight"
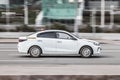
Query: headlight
(95, 43)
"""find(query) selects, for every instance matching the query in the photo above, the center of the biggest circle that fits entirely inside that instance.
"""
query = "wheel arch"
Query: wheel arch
(35, 46)
(86, 46)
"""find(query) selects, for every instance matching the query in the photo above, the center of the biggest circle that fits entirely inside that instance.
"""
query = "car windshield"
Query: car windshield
(76, 36)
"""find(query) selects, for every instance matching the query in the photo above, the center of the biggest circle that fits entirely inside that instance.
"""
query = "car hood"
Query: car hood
(89, 40)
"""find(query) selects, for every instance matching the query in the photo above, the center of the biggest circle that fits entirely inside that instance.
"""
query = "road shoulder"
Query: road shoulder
(60, 70)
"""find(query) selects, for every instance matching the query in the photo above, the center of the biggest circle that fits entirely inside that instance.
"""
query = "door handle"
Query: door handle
(59, 41)
(39, 40)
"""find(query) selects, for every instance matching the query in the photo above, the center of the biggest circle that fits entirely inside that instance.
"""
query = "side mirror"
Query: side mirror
(74, 39)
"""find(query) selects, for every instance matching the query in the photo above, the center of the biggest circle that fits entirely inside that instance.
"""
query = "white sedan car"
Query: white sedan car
(57, 42)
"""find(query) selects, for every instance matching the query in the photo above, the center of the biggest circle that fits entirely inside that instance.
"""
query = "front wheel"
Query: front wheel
(86, 52)
(35, 51)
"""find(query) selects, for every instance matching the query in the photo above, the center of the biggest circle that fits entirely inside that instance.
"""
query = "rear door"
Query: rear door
(48, 42)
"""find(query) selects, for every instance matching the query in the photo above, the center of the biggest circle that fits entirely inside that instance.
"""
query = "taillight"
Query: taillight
(22, 40)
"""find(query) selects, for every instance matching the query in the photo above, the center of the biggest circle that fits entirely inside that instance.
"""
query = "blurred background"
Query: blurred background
(97, 16)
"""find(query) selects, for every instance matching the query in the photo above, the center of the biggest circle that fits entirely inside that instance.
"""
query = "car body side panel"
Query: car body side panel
(66, 46)
(47, 44)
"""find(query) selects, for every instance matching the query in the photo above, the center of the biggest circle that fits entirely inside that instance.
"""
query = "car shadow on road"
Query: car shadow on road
(102, 56)
(57, 56)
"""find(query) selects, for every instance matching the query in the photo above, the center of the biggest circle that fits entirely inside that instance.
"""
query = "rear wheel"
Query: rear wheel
(35, 51)
(86, 52)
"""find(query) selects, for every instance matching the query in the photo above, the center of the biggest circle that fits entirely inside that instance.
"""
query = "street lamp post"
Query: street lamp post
(112, 16)
(78, 18)
(76, 22)
(102, 13)
(7, 12)
(93, 20)
(25, 12)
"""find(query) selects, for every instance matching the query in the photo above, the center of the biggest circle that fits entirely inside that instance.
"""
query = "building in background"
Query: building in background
(91, 4)
(63, 11)
(109, 19)
(12, 2)
(17, 2)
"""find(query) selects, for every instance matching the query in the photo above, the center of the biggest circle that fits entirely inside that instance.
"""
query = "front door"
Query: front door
(65, 43)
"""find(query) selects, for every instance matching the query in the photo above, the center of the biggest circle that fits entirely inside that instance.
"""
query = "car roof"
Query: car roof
(52, 31)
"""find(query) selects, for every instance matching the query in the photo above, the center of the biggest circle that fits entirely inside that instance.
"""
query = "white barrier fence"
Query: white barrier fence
(107, 36)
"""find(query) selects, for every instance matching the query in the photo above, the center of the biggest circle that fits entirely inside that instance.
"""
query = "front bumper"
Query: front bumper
(97, 50)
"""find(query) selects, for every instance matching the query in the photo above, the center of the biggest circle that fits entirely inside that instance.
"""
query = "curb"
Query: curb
(8, 42)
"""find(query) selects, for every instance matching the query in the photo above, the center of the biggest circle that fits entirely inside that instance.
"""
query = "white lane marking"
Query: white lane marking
(8, 47)
(20, 60)
(8, 50)
(18, 54)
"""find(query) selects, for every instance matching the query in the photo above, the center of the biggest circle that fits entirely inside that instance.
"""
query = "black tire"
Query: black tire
(86, 52)
(35, 51)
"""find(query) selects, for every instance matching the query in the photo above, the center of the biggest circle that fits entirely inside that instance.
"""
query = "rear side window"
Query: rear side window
(47, 35)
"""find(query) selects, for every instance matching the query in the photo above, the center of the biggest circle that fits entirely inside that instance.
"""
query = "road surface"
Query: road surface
(9, 56)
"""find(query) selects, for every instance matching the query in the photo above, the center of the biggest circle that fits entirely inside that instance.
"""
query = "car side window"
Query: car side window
(47, 35)
(63, 36)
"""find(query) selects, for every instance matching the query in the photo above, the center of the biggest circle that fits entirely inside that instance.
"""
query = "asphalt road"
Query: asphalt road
(9, 56)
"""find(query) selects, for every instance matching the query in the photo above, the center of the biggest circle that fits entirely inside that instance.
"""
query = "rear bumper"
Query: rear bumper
(21, 49)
